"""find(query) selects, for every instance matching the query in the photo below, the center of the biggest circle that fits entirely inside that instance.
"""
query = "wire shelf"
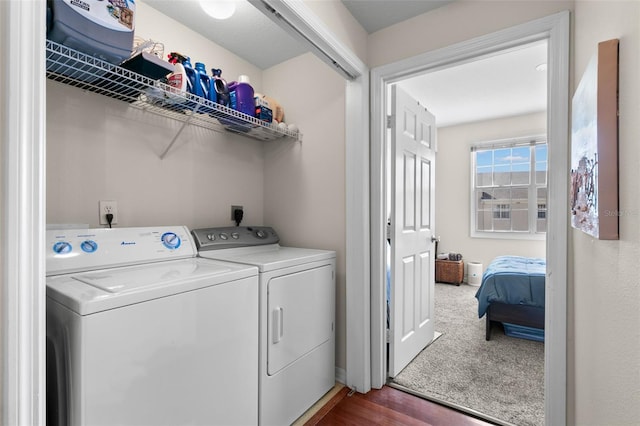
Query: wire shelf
(73, 68)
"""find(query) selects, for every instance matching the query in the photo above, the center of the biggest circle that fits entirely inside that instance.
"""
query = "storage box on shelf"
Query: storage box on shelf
(73, 68)
(449, 271)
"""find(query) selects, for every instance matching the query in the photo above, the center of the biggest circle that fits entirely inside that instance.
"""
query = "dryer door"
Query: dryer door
(300, 310)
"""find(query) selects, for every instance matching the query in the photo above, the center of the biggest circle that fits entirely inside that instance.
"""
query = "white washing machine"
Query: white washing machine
(140, 331)
(297, 316)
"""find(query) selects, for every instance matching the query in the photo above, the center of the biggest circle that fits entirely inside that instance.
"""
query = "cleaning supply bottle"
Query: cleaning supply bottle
(219, 91)
(178, 78)
(193, 85)
(241, 96)
(203, 80)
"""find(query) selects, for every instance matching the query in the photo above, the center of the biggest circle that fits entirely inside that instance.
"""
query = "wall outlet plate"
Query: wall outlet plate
(106, 207)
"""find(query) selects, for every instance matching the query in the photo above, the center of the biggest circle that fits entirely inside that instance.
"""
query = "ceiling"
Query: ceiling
(498, 86)
(375, 15)
(502, 85)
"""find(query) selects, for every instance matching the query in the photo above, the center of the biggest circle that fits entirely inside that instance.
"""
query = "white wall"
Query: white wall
(453, 23)
(100, 149)
(304, 183)
(605, 290)
(453, 188)
(176, 37)
(344, 26)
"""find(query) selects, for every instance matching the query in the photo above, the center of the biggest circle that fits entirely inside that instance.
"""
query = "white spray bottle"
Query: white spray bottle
(178, 78)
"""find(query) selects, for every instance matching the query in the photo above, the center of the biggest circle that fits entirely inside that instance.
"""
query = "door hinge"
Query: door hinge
(389, 121)
(388, 230)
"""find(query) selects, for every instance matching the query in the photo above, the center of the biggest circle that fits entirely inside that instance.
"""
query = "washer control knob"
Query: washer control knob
(89, 246)
(170, 240)
(224, 236)
(235, 235)
(261, 234)
(211, 237)
(62, 247)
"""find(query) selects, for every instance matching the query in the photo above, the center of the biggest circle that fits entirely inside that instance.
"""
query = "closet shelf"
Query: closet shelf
(73, 68)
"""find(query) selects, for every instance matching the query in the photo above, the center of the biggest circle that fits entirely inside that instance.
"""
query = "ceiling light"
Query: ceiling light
(541, 67)
(218, 9)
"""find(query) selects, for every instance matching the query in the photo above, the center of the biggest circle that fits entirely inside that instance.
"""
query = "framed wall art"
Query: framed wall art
(594, 146)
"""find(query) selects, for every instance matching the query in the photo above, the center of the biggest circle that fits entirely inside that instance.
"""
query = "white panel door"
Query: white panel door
(412, 230)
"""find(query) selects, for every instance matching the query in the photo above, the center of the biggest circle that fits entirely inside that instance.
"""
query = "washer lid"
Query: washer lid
(95, 291)
(271, 257)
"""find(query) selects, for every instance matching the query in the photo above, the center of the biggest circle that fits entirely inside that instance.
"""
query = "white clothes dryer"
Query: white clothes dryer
(140, 331)
(297, 316)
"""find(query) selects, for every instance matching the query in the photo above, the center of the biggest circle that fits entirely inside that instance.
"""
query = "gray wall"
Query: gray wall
(453, 182)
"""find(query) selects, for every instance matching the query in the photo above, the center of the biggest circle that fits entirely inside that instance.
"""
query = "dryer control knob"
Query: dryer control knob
(170, 240)
(224, 236)
(261, 234)
(235, 235)
(211, 237)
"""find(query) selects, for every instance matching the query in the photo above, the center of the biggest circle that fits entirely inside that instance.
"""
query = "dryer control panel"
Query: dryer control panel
(234, 236)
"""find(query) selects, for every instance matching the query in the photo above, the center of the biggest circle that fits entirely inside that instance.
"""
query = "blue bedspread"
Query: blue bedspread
(513, 280)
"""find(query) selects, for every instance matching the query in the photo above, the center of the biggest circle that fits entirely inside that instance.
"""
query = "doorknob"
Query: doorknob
(435, 239)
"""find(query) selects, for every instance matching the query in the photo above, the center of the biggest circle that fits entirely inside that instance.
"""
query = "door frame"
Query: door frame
(555, 29)
(22, 183)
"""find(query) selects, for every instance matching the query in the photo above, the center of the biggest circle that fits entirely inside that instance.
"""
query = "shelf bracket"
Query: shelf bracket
(175, 138)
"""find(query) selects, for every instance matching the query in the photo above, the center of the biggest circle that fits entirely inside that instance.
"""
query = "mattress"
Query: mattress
(514, 280)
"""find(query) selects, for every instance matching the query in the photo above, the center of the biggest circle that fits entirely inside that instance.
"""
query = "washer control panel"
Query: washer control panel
(234, 236)
(70, 250)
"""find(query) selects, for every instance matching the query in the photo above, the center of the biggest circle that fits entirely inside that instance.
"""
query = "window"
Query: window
(509, 188)
(501, 211)
(542, 211)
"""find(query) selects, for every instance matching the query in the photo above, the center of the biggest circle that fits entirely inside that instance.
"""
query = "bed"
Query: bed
(512, 292)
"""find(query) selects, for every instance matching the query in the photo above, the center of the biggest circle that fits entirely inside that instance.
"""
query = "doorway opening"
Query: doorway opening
(499, 98)
(554, 30)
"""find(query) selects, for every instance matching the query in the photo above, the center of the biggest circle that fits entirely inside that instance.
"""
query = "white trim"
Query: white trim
(556, 29)
(358, 243)
(555, 376)
(341, 375)
(22, 120)
(298, 20)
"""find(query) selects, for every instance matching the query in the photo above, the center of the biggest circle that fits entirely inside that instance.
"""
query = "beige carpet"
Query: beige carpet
(502, 378)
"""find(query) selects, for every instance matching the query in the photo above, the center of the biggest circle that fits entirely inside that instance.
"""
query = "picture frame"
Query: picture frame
(594, 147)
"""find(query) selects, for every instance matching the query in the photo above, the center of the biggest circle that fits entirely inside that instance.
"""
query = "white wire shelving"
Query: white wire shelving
(76, 69)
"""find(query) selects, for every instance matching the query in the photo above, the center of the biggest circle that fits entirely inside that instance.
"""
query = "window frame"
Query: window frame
(532, 187)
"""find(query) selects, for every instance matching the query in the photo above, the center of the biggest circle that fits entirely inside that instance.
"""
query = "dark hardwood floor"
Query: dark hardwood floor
(388, 406)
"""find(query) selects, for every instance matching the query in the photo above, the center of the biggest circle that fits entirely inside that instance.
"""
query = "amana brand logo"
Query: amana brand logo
(128, 243)
(81, 4)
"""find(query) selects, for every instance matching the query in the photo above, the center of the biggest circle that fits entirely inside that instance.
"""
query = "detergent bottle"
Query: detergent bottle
(203, 80)
(241, 96)
(193, 85)
(219, 91)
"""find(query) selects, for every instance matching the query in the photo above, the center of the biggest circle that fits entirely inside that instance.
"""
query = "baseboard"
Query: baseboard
(341, 375)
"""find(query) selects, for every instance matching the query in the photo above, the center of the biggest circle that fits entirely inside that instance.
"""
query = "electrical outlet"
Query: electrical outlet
(106, 207)
(233, 209)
